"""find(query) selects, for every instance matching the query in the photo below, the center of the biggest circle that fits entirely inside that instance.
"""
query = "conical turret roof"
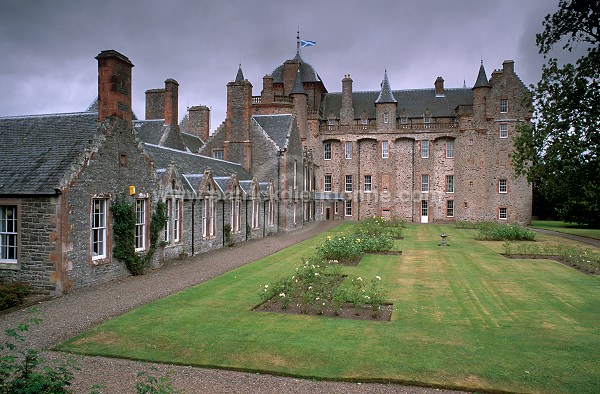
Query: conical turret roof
(298, 86)
(240, 75)
(385, 95)
(482, 80)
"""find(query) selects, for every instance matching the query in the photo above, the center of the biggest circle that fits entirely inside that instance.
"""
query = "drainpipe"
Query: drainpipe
(193, 221)
(279, 155)
(264, 218)
(246, 217)
(223, 219)
(412, 195)
(359, 188)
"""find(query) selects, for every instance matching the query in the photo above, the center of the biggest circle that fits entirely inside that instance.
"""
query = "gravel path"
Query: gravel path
(579, 238)
(66, 316)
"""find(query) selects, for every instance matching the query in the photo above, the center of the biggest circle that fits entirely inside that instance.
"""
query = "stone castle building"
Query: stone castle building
(421, 155)
(293, 154)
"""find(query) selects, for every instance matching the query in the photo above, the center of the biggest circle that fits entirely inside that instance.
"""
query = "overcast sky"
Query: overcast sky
(48, 47)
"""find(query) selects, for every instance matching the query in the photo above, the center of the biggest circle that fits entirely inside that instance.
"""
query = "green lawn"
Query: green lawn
(569, 228)
(464, 317)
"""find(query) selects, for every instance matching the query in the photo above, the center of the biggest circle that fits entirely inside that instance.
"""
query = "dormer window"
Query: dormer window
(426, 119)
(364, 121)
(404, 120)
(330, 123)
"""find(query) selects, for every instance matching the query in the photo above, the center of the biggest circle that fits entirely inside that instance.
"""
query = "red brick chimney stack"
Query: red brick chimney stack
(171, 102)
(199, 121)
(439, 87)
(114, 85)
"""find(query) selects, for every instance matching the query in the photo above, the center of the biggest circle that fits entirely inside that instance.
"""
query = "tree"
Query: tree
(559, 151)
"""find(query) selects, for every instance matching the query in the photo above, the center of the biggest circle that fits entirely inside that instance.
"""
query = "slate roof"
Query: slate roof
(277, 127)
(155, 132)
(385, 95)
(307, 71)
(412, 102)
(298, 87)
(191, 166)
(37, 151)
(481, 78)
(192, 142)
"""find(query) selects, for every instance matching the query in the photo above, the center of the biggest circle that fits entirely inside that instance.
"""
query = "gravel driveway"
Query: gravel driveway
(66, 316)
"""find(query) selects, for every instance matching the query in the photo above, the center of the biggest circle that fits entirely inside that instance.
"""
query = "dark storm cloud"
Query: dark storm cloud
(48, 47)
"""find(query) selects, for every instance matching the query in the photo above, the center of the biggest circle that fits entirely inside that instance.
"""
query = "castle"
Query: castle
(294, 154)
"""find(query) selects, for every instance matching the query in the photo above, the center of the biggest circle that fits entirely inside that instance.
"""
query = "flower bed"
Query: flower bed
(583, 260)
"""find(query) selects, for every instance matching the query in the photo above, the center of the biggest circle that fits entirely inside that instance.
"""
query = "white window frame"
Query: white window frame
(449, 183)
(295, 211)
(255, 213)
(503, 213)
(450, 208)
(295, 174)
(404, 120)
(176, 220)
(140, 224)
(426, 120)
(385, 149)
(9, 233)
(424, 183)
(368, 183)
(169, 208)
(386, 117)
(503, 130)
(335, 208)
(503, 106)
(208, 218)
(327, 151)
(271, 213)
(348, 208)
(99, 229)
(503, 186)
(218, 154)
(424, 149)
(450, 149)
(327, 185)
(348, 184)
(348, 149)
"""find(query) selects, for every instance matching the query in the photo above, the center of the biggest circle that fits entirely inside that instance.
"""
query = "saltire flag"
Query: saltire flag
(306, 43)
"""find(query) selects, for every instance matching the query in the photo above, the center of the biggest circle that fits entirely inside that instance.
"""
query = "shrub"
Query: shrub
(504, 232)
(381, 243)
(341, 248)
(12, 294)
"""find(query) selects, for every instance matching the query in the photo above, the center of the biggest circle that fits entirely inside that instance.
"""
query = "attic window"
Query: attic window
(404, 120)
(218, 154)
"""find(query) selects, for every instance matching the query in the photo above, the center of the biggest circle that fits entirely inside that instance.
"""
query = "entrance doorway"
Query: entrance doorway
(424, 212)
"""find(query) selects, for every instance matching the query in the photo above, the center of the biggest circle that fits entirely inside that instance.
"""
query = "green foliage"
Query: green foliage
(490, 231)
(12, 294)
(362, 293)
(584, 259)
(228, 238)
(342, 248)
(24, 371)
(124, 234)
(559, 151)
(376, 226)
(150, 384)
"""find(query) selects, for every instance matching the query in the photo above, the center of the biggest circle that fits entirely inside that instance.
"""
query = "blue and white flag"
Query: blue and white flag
(306, 43)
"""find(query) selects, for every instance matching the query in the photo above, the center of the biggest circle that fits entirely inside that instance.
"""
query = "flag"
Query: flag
(306, 43)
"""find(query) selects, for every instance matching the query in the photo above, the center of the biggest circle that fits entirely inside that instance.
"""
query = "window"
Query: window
(327, 150)
(235, 215)
(208, 218)
(449, 149)
(271, 213)
(426, 119)
(470, 183)
(404, 120)
(502, 213)
(218, 154)
(425, 183)
(140, 225)
(385, 149)
(348, 208)
(348, 183)
(295, 174)
(322, 207)
(255, 213)
(335, 208)
(295, 209)
(450, 208)
(503, 105)
(368, 184)
(503, 131)
(348, 150)
(424, 149)
(470, 141)
(424, 208)
(364, 121)
(330, 123)
(169, 208)
(176, 220)
(386, 118)
(8, 233)
(449, 183)
(502, 186)
(98, 229)
(327, 183)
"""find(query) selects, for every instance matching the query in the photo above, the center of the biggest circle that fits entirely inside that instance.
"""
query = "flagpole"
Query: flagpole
(298, 42)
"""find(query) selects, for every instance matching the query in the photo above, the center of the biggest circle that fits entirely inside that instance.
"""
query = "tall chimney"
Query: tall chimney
(114, 85)
(199, 121)
(347, 109)
(439, 87)
(171, 102)
(508, 66)
(155, 104)
(267, 95)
